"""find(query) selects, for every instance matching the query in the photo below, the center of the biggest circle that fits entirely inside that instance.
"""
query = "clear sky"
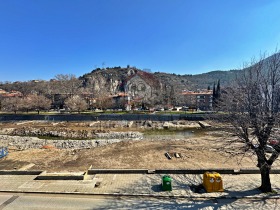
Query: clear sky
(42, 38)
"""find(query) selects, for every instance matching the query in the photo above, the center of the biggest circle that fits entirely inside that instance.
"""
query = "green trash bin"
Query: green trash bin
(166, 183)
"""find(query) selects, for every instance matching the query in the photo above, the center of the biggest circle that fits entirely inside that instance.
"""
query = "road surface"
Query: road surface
(47, 201)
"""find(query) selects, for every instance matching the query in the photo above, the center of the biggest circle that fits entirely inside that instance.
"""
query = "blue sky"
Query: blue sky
(42, 38)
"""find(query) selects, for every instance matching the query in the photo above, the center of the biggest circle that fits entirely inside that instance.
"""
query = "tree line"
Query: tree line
(44, 95)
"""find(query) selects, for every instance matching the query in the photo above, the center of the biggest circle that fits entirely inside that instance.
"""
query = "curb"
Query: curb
(118, 171)
(180, 171)
(147, 195)
(25, 172)
(61, 176)
(143, 171)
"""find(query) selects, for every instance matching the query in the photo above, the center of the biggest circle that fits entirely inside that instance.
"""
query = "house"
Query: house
(201, 99)
(12, 93)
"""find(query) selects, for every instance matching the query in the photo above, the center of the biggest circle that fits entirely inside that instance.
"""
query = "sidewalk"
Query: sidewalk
(235, 186)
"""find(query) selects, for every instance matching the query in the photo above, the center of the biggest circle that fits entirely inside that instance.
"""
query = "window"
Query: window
(201, 97)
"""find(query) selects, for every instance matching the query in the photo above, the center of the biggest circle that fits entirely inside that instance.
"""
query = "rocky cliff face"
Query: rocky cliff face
(109, 80)
(141, 87)
(114, 79)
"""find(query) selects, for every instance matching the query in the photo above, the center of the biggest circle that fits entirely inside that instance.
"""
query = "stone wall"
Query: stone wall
(22, 143)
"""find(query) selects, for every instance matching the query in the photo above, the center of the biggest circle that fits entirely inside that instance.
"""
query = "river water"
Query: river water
(171, 134)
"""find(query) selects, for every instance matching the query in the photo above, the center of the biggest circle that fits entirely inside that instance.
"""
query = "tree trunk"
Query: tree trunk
(266, 184)
(264, 167)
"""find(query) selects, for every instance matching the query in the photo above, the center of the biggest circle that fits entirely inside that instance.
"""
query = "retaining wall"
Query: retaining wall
(34, 142)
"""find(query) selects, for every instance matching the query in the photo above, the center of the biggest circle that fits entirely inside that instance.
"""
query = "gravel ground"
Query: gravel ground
(210, 148)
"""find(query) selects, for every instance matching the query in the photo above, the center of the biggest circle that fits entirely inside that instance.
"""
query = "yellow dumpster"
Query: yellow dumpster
(212, 182)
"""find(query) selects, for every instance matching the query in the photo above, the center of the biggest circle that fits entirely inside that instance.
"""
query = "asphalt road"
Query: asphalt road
(45, 201)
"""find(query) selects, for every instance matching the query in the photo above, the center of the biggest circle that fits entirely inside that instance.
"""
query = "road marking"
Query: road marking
(9, 201)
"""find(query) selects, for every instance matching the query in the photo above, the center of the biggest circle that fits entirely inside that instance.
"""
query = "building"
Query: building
(12, 93)
(201, 100)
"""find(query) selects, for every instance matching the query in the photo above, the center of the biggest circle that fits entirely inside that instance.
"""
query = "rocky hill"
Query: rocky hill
(117, 75)
(114, 78)
(112, 81)
(198, 81)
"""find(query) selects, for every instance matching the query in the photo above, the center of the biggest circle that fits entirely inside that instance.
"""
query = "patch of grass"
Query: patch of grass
(172, 131)
(162, 131)
(178, 112)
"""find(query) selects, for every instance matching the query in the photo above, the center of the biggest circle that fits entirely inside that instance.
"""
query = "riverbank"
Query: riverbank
(196, 147)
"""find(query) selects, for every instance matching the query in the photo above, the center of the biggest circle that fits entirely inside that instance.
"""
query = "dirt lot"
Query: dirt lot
(208, 149)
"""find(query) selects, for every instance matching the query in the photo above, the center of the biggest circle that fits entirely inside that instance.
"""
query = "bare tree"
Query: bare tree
(104, 102)
(76, 103)
(39, 102)
(67, 84)
(103, 99)
(62, 87)
(11, 104)
(25, 104)
(251, 106)
(1, 101)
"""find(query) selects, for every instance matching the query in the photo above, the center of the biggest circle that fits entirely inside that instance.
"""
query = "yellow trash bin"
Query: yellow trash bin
(212, 182)
(218, 184)
(208, 181)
